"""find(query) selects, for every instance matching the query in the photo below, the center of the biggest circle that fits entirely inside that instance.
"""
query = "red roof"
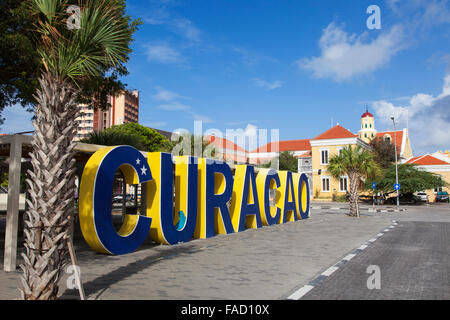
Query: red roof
(288, 145)
(225, 144)
(336, 132)
(427, 160)
(367, 114)
(305, 155)
(411, 160)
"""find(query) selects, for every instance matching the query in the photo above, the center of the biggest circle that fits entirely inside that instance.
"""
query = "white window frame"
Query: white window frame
(346, 184)
(321, 156)
(329, 183)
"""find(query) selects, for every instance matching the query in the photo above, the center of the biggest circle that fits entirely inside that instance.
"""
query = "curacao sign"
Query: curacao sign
(199, 190)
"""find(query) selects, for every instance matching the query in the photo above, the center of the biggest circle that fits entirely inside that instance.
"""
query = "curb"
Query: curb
(298, 294)
(363, 208)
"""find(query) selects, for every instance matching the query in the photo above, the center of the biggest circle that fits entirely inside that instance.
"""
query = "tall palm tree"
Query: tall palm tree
(69, 56)
(357, 163)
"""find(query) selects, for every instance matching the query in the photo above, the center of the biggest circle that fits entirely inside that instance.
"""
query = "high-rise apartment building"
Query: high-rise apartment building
(124, 108)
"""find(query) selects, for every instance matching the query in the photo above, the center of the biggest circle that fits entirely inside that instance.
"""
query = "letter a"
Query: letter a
(374, 21)
(374, 281)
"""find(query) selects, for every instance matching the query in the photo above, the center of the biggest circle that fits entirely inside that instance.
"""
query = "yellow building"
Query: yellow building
(314, 154)
(335, 139)
(325, 146)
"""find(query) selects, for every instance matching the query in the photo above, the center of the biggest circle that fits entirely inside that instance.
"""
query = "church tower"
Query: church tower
(367, 132)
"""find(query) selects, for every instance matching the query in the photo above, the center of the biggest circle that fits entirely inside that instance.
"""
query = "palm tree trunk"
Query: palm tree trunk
(354, 207)
(51, 188)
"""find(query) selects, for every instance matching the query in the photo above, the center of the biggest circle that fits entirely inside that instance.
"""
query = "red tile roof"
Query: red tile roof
(336, 132)
(225, 144)
(411, 160)
(427, 160)
(287, 145)
(305, 155)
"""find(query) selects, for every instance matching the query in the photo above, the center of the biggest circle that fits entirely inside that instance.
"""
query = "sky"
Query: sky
(294, 66)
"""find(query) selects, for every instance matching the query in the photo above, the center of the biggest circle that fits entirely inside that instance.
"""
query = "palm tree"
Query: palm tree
(69, 58)
(356, 163)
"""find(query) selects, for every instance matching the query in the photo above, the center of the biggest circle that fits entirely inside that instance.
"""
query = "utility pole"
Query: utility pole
(396, 167)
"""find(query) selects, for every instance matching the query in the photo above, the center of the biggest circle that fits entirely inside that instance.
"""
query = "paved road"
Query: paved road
(269, 263)
(413, 261)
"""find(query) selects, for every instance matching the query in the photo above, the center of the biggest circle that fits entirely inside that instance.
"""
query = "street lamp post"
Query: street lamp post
(396, 168)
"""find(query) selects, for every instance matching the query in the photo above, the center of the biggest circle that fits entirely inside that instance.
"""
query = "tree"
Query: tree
(288, 161)
(356, 163)
(384, 152)
(71, 58)
(113, 138)
(149, 139)
(20, 61)
(411, 180)
(186, 145)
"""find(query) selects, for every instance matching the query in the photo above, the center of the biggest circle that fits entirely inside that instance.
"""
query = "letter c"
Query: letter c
(95, 200)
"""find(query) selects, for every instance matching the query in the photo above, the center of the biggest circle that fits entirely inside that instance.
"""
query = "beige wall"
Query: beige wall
(119, 110)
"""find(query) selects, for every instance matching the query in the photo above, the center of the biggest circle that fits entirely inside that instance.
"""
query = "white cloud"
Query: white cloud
(186, 28)
(251, 58)
(165, 95)
(267, 85)
(422, 14)
(428, 117)
(199, 117)
(164, 53)
(345, 56)
(174, 106)
(446, 86)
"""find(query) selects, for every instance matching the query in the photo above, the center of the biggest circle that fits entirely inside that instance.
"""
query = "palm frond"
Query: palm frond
(101, 43)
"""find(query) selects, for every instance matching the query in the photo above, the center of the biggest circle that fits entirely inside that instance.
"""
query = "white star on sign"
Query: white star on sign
(138, 161)
(143, 171)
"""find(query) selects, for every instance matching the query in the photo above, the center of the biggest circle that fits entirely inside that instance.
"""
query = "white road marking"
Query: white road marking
(363, 247)
(300, 292)
(329, 271)
(349, 257)
(380, 234)
(373, 240)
